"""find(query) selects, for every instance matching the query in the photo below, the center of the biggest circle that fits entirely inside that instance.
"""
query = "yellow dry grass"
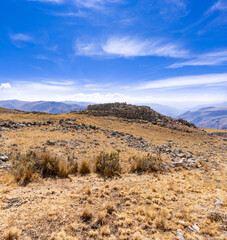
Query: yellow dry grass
(130, 206)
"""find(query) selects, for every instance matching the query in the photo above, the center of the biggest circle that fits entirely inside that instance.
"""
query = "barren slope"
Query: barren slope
(185, 201)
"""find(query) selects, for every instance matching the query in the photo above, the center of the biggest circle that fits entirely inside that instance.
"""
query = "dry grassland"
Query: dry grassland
(172, 204)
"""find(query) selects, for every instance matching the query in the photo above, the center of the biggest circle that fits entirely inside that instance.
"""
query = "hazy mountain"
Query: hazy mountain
(211, 117)
(214, 105)
(165, 110)
(78, 103)
(42, 106)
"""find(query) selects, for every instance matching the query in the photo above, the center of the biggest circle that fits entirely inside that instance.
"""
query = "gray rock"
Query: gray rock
(181, 222)
(178, 164)
(51, 143)
(189, 155)
(4, 158)
(218, 202)
(195, 227)
(5, 165)
(181, 155)
(180, 235)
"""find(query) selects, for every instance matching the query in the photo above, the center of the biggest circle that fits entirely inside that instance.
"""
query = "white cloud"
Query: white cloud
(21, 37)
(173, 91)
(185, 81)
(207, 59)
(48, 1)
(131, 47)
(5, 86)
(69, 14)
(88, 49)
(94, 4)
(220, 5)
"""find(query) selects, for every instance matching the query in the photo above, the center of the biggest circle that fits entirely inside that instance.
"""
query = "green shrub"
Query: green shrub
(107, 164)
(148, 163)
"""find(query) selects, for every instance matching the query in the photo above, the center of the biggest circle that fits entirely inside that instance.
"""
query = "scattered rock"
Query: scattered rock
(51, 143)
(195, 227)
(180, 235)
(219, 202)
(4, 158)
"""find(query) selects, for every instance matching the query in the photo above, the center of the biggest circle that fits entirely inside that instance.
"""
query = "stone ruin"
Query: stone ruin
(128, 111)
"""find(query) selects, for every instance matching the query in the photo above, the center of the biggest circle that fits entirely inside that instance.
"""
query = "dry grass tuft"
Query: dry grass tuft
(137, 236)
(86, 214)
(105, 230)
(148, 163)
(107, 164)
(160, 221)
(61, 236)
(12, 233)
(109, 206)
(25, 165)
(101, 218)
(84, 168)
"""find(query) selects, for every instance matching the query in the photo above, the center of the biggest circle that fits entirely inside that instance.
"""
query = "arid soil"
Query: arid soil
(186, 200)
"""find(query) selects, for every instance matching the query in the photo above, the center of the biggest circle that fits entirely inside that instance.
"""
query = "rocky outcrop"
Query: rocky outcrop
(129, 111)
(14, 125)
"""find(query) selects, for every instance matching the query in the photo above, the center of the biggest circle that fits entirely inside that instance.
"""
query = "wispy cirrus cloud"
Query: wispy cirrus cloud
(21, 37)
(220, 5)
(69, 14)
(48, 1)
(95, 4)
(172, 8)
(207, 59)
(185, 81)
(91, 4)
(131, 47)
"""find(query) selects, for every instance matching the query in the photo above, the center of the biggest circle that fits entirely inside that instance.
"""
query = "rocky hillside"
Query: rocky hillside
(208, 117)
(129, 111)
(6, 110)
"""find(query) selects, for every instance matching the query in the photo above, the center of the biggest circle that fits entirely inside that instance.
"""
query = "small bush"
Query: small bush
(107, 164)
(148, 163)
(84, 168)
(25, 165)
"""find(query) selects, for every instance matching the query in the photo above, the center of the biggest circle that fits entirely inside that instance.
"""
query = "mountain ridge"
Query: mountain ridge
(209, 117)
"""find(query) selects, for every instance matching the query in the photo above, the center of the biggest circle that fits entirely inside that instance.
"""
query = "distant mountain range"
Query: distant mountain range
(68, 106)
(165, 110)
(210, 117)
(207, 117)
(43, 106)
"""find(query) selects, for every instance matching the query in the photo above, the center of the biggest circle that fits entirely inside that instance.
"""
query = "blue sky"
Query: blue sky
(170, 52)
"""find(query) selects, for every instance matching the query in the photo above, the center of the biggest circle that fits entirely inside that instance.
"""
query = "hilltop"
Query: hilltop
(128, 111)
(160, 182)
